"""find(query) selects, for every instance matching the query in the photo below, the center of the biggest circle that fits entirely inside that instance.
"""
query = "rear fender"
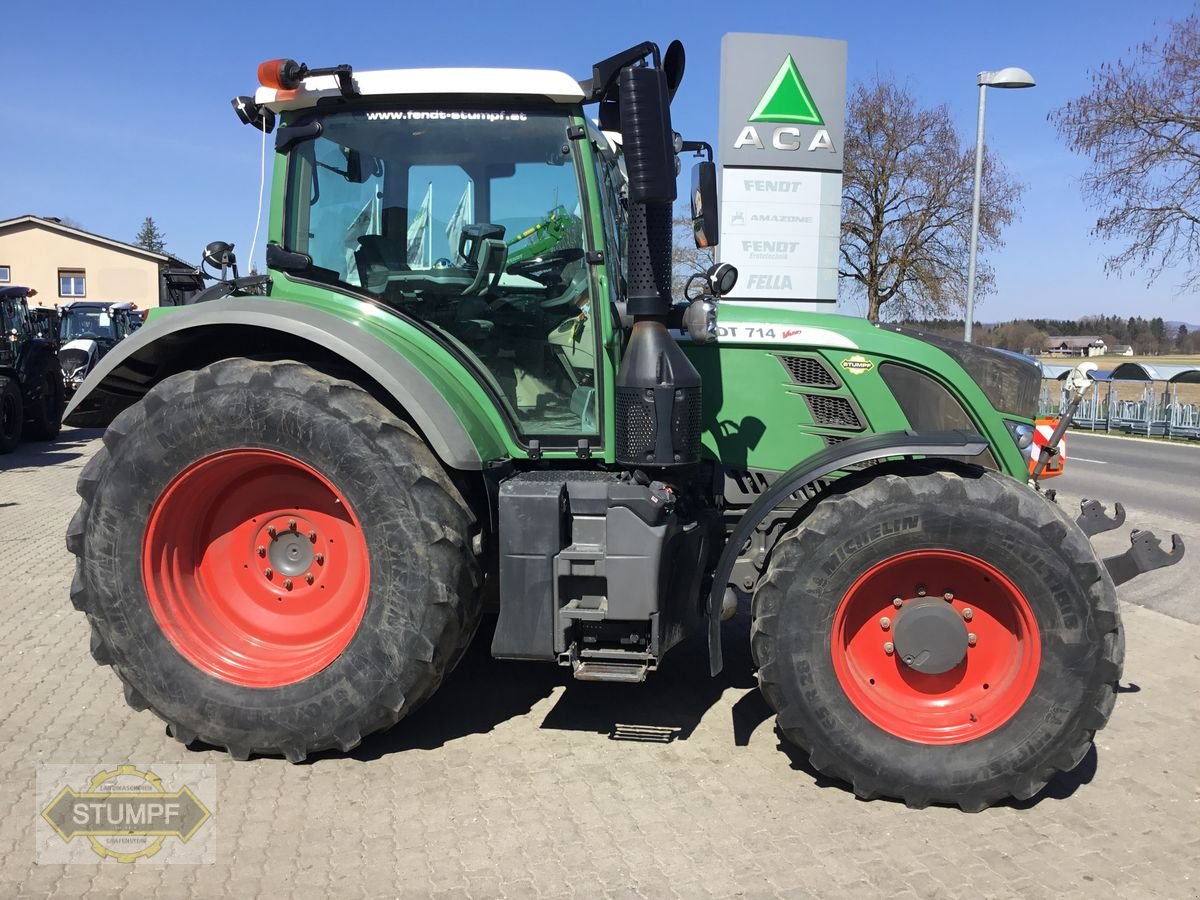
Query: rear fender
(193, 337)
(838, 456)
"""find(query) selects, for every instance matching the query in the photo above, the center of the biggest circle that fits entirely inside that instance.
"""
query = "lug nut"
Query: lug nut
(292, 524)
(308, 579)
(948, 596)
(271, 530)
(269, 572)
(320, 557)
(889, 648)
(971, 640)
(897, 602)
(921, 590)
(968, 614)
(262, 551)
(312, 536)
(287, 584)
(885, 623)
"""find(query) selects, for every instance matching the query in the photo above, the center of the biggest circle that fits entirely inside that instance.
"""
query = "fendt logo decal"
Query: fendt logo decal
(787, 99)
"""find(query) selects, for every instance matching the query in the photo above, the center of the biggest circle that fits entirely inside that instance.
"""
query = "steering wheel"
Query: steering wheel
(547, 268)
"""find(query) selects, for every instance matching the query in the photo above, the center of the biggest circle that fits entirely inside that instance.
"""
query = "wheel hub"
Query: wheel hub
(289, 552)
(930, 636)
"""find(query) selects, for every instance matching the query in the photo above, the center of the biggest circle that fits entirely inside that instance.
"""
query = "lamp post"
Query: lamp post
(1011, 77)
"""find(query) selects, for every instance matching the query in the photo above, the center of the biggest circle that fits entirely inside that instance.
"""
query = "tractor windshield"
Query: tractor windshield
(94, 324)
(470, 222)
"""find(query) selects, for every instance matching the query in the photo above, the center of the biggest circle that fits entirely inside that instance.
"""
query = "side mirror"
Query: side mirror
(705, 217)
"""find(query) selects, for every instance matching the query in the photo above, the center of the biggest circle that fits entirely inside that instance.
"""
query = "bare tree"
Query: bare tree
(906, 205)
(1140, 125)
(686, 258)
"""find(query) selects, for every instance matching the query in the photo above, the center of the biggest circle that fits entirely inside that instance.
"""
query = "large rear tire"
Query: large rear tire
(12, 417)
(938, 637)
(271, 561)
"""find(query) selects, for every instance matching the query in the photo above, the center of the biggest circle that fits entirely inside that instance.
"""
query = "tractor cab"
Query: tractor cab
(86, 332)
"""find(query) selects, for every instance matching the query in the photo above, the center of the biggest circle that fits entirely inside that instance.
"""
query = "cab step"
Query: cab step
(611, 665)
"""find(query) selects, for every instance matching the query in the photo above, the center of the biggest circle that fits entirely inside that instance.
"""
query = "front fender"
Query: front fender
(152, 353)
(833, 458)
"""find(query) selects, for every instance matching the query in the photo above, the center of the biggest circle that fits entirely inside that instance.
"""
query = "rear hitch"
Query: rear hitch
(1145, 554)
(1093, 520)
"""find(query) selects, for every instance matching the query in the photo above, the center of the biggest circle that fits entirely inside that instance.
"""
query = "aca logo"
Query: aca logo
(786, 100)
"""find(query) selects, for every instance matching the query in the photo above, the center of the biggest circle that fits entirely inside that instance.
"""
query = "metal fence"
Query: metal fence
(1157, 412)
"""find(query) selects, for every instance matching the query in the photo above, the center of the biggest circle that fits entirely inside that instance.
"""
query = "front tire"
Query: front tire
(45, 408)
(938, 637)
(11, 415)
(271, 561)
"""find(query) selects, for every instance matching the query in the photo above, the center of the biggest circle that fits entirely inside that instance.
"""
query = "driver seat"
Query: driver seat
(376, 259)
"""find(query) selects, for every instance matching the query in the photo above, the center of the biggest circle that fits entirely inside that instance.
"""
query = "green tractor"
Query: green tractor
(311, 480)
(31, 384)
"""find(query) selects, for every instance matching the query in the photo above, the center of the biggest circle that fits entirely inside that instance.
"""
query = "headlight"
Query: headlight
(1022, 434)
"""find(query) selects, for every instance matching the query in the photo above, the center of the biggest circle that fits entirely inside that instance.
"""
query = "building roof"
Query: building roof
(1050, 370)
(1146, 372)
(71, 231)
(540, 83)
(1074, 341)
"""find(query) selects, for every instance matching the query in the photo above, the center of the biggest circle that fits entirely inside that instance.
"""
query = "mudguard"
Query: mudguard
(123, 376)
(838, 456)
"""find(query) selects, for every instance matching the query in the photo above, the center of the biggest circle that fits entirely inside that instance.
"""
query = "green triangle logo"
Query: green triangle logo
(787, 99)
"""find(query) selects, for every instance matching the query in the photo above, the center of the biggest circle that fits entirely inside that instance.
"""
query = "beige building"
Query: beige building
(1075, 345)
(63, 263)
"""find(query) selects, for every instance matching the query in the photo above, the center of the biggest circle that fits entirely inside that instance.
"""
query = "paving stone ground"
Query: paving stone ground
(514, 781)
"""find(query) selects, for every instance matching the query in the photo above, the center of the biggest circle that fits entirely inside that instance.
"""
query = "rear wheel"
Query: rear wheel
(271, 561)
(11, 415)
(938, 637)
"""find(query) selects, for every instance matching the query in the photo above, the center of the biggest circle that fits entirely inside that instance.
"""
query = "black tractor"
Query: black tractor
(32, 394)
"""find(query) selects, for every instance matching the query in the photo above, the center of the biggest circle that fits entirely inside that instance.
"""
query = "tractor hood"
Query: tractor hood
(80, 349)
(1010, 382)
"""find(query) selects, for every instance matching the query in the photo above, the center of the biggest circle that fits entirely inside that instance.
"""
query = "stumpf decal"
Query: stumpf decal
(856, 364)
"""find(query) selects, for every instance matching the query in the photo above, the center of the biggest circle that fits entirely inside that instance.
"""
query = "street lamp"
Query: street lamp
(1011, 77)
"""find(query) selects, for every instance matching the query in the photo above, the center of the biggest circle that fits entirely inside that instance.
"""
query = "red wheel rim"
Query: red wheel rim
(979, 694)
(255, 568)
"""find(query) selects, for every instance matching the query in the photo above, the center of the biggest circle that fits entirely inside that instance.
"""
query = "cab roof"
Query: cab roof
(540, 84)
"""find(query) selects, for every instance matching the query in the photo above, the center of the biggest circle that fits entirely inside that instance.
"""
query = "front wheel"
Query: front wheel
(271, 561)
(11, 415)
(45, 409)
(938, 636)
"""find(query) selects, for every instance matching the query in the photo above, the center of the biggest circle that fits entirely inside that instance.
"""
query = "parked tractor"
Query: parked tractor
(87, 330)
(31, 386)
(312, 479)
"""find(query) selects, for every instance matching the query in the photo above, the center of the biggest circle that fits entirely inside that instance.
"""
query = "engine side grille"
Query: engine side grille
(833, 412)
(809, 372)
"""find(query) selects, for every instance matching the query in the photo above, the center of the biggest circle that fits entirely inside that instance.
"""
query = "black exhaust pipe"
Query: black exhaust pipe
(658, 388)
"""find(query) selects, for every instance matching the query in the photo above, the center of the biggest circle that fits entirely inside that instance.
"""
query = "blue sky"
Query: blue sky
(121, 110)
